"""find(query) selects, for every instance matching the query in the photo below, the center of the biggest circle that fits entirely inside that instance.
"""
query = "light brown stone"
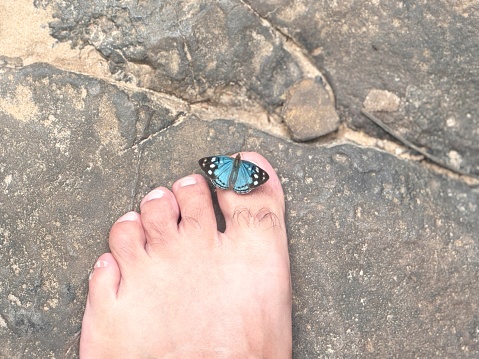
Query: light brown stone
(309, 110)
(381, 100)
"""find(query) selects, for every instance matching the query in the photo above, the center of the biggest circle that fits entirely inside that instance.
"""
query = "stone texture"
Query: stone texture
(309, 110)
(68, 169)
(192, 49)
(198, 51)
(384, 253)
(424, 52)
(380, 100)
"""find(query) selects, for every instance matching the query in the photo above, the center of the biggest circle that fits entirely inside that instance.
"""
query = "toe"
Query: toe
(127, 241)
(262, 208)
(104, 280)
(102, 293)
(196, 206)
(159, 217)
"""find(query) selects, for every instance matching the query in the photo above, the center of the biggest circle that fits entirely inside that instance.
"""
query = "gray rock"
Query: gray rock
(68, 169)
(199, 51)
(425, 52)
(384, 253)
(191, 49)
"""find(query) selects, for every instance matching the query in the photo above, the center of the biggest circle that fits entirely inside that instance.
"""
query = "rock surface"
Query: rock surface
(195, 50)
(424, 52)
(384, 251)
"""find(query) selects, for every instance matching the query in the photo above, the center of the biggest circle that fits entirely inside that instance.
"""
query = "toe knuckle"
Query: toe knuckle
(266, 217)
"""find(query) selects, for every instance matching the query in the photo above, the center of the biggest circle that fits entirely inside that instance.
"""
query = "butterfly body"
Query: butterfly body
(233, 173)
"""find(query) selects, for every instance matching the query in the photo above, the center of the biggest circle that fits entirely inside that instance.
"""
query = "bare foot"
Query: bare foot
(181, 289)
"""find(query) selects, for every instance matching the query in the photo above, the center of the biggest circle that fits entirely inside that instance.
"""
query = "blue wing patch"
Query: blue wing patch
(233, 173)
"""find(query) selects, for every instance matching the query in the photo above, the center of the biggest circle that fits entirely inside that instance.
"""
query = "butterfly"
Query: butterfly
(233, 173)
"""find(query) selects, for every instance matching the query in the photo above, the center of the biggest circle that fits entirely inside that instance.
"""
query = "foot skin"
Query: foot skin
(175, 287)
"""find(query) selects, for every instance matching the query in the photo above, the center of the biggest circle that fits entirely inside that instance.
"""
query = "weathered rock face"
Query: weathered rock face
(198, 51)
(189, 49)
(384, 253)
(424, 52)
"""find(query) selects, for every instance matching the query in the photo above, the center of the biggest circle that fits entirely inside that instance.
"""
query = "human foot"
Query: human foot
(175, 287)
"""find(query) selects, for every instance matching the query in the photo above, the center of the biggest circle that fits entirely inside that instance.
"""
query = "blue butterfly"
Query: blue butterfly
(233, 173)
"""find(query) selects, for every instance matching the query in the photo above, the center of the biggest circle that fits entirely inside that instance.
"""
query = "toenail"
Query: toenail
(187, 181)
(100, 264)
(130, 216)
(156, 193)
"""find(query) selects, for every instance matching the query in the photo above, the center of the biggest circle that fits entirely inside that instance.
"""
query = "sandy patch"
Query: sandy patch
(24, 33)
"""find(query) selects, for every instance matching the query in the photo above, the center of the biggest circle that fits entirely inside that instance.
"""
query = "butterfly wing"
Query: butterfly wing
(249, 177)
(218, 169)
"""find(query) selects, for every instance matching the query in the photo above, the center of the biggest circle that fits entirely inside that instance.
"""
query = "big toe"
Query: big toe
(259, 210)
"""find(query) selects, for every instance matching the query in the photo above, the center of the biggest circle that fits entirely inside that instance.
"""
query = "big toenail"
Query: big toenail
(156, 193)
(187, 181)
(130, 216)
